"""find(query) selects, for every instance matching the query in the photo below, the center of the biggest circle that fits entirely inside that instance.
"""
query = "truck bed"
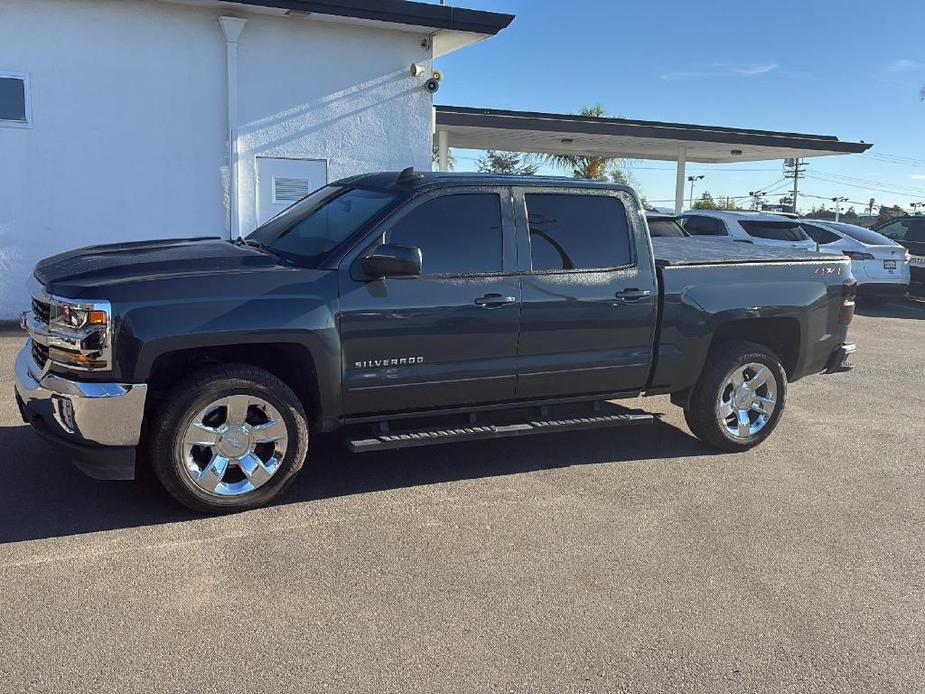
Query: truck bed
(688, 251)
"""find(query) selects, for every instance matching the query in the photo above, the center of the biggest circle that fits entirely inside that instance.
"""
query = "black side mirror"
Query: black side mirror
(389, 260)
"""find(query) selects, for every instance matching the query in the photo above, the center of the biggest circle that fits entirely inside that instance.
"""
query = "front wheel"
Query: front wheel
(228, 438)
(739, 398)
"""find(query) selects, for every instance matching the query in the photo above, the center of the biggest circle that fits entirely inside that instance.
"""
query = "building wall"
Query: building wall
(128, 139)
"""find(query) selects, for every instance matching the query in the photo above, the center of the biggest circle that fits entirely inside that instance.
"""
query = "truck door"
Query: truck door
(589, 293)
(449, 335)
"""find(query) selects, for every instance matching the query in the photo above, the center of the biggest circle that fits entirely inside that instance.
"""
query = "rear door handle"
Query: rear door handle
(494, 300)
(632, 295)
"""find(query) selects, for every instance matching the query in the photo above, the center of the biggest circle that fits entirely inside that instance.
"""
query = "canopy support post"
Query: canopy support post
(443, 150)
(679, 181)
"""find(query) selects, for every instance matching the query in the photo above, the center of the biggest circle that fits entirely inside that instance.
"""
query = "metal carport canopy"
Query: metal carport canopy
(525, 131)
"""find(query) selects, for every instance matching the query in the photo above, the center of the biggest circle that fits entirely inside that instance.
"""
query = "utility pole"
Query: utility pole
(692, 179)
(838, 202)
(793, 168)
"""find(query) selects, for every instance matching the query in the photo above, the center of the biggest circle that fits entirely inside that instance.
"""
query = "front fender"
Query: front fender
(264, 310)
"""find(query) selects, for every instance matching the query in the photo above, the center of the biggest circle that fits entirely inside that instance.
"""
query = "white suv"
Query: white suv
(747, 227)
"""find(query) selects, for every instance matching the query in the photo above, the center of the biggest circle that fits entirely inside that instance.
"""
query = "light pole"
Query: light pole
(838, 202)
(757, 195)
(915, 206)
(692, 179)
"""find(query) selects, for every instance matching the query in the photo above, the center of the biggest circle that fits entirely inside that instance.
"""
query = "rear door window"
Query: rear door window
(664, 228)
(458, 234)
(820, 235)
(577, 232)
(916, 230)
(774, 231)
(695, 225)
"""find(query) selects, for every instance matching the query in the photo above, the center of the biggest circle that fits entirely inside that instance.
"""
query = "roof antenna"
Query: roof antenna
(408, 175)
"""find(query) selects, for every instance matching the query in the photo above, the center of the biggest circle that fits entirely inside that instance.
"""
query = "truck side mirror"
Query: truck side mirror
(391, 260)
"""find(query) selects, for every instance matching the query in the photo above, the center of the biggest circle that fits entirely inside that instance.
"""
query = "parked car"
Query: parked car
(663, 225)
(763, 229)
(910, 232)
(412, 309)
(880, 266)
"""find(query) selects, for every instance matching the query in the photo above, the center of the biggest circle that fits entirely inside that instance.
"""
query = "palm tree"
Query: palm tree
(583, 166)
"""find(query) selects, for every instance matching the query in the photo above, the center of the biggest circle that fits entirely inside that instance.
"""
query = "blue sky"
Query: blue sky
(853, 70)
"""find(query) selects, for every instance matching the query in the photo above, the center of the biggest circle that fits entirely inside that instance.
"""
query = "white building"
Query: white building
(115, 114)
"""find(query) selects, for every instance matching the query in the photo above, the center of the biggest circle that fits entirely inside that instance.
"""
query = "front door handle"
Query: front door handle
(494, 300)
(632, 295)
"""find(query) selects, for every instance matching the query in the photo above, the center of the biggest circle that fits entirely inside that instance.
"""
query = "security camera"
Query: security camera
(432, 85)
(437, 75)
(417, 69)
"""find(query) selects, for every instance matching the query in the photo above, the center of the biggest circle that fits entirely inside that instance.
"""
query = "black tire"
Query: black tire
(197, 391)
(701, 411)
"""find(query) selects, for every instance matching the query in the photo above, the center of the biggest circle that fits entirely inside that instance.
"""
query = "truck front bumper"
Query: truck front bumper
(839, 359)
(99, 423)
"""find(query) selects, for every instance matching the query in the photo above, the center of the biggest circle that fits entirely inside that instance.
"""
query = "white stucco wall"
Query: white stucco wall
(128, 137)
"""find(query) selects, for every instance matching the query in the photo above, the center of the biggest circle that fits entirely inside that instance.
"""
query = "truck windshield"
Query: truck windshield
(774, 231)
(313, 227)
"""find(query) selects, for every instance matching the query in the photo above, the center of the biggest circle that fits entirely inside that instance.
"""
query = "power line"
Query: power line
(895, 158)
(912, 189)
(892, 191)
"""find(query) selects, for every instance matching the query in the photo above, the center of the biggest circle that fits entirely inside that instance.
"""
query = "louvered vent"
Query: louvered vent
(290, 189)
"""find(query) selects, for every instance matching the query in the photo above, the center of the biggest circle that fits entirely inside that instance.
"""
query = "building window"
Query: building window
(15, 100)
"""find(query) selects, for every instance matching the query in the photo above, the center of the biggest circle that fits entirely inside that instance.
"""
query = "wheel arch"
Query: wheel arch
(291, 362)
(782, 335)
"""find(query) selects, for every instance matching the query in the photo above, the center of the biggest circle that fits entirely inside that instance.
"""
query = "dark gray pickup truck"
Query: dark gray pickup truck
(411, 309)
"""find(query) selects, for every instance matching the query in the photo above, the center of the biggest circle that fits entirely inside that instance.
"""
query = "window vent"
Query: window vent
(290, 189)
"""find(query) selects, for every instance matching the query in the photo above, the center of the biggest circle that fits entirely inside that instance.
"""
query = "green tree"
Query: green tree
(508, 163)
(719, 203)
(888, 213)
(584, 166)
(850, 215)
(705, 202)
(820, 213)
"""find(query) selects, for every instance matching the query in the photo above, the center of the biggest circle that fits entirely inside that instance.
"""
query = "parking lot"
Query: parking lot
(634, 560)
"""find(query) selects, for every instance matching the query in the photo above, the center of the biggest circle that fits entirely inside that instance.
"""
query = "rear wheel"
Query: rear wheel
(229, 438)
(739, 398)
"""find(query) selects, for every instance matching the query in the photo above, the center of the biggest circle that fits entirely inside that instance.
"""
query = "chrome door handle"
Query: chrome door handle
(494, 300)
(632, 295)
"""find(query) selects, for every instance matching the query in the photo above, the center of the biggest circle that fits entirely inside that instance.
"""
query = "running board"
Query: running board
(431, 437)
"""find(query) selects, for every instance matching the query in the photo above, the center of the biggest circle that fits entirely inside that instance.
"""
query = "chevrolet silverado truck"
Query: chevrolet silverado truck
(408, 309)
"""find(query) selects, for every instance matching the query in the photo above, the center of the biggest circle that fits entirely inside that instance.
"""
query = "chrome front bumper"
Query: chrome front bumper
(86, 416)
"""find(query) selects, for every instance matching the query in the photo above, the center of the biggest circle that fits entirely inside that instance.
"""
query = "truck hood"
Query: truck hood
(74, 272)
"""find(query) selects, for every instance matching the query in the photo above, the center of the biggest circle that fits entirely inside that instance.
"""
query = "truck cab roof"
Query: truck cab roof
(406, 181)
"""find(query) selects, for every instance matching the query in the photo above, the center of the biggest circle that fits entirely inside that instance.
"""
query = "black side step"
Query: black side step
(430, 437)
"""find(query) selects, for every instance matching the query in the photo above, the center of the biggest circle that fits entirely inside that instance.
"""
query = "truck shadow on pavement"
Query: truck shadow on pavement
(44, 496)
(910, 308)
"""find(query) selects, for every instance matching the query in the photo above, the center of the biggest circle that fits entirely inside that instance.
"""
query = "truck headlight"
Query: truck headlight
(75, 316)
(79, 334)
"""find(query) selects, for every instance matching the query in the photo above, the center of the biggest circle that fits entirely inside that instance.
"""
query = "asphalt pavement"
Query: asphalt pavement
(633, 560)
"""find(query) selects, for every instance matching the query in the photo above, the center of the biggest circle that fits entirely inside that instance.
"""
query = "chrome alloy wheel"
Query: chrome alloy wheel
(747, 400)
(234, 445)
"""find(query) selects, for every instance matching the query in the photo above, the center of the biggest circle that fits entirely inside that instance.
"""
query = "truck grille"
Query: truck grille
(41, 310)
(39, 354)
